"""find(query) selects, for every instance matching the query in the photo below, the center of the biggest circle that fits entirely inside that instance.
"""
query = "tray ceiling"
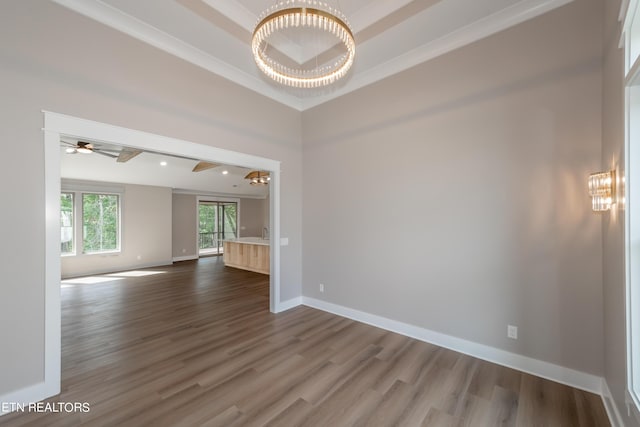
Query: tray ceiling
(391, 36)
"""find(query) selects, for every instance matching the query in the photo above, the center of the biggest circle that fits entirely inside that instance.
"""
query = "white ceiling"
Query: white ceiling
(391, 35)
(145, 169)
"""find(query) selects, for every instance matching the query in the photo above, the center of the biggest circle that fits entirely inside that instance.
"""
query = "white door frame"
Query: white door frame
(57, 125)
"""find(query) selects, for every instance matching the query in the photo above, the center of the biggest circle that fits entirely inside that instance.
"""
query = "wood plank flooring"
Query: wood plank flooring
(195, 344)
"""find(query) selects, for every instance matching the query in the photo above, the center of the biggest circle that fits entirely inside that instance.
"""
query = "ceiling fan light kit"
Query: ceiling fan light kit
(304, 15)
(84, 148)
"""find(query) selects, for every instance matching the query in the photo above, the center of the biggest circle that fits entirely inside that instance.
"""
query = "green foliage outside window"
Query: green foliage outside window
(211, 229)
(66, 223)
(99, 222)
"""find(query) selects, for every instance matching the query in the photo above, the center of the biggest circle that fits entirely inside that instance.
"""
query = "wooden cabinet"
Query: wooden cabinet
(247, 256)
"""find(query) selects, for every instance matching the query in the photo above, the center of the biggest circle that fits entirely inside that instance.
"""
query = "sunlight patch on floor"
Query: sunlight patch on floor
(110, 277)
(135, 273)
(89, 280)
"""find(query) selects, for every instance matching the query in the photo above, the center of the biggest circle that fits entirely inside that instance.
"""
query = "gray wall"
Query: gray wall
(184, 227)
(56, 60)
(456, 199)
(144, 240)
(253, 217)
(613, 222)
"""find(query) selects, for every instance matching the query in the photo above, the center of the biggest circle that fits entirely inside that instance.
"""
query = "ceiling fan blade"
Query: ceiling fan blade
(102, 153)
(201, 166)
(127, 154)
(257, 174)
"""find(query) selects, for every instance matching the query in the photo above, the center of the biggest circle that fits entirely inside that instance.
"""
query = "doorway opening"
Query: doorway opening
(58, 126)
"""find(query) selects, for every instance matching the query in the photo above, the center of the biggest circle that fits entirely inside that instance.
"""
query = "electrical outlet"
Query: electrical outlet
(321, 287)
(512, 332)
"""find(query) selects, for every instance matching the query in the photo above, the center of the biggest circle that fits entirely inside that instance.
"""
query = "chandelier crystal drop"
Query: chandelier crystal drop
(304, 15)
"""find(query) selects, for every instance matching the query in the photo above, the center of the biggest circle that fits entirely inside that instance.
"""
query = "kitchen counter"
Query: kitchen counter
(247, 253)
(250, 240)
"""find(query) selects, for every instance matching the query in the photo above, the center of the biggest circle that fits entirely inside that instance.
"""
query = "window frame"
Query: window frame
(118, 222)
(73, 225)
(79, 189)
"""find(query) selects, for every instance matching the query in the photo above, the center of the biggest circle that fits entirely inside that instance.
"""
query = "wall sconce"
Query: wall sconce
(602, 187)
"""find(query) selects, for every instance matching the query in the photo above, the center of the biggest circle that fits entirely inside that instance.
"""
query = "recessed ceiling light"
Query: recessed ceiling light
(225, 172)
(163, 163)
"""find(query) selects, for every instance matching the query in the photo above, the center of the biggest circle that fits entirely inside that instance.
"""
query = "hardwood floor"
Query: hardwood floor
(195, 344)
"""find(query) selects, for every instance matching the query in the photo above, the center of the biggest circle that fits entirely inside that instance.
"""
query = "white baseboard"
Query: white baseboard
(610, 406)
(550, 371)
(288, 304)
(185, 258)
(24, 396)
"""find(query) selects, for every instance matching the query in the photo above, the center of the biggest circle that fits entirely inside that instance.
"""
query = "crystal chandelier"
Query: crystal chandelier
(303, 15)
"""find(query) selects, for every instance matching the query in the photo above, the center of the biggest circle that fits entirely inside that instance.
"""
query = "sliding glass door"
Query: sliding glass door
(218, 221)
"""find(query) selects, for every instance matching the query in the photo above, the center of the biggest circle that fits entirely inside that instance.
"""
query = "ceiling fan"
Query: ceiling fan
(125, 154)
(83, 147)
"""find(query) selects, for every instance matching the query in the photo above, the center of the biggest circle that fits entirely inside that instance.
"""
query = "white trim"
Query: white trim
(633, 75)
(81, 186)
(236, 12)
(274, 239)
(213, 199)
(57, 125)
(132, 26)
(550, 371)
(610, 406)
(26, 395)
(499, 21)
(219, 195)
(52, 316)
(184, 258)
(632, 409)
(117, 19)
(290, 303)
(624, 7)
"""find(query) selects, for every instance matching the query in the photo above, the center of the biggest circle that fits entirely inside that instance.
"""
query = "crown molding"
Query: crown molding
(123, 22)
(473, 32)
(501, 20)
(236, 12)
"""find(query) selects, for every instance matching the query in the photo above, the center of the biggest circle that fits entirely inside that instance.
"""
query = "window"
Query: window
(100, 223)
(89, 222)
(66, 224)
